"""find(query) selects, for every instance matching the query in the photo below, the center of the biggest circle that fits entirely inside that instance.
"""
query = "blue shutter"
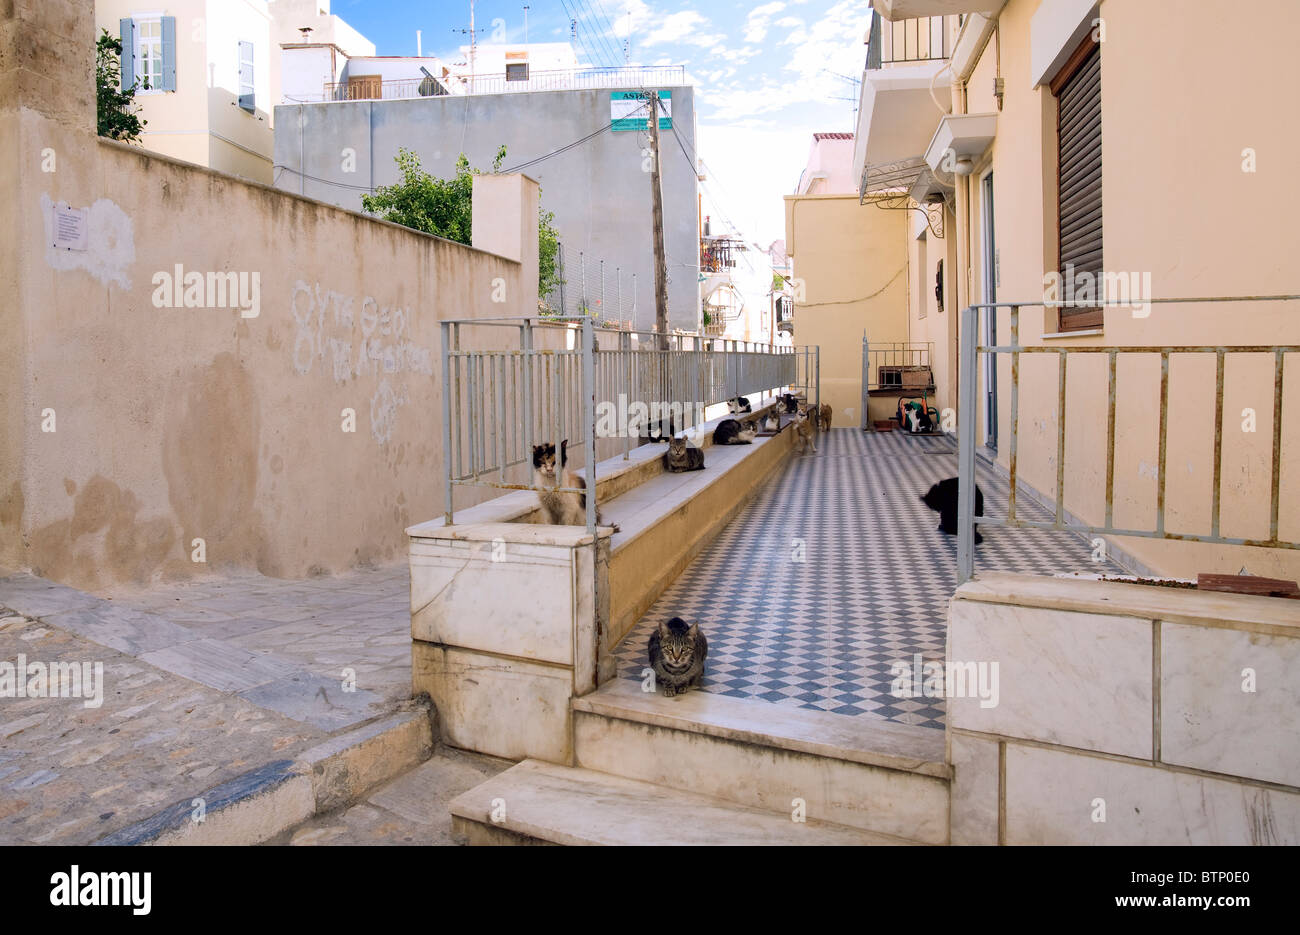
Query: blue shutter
(247, 90)
(168, 53)
(127, 34)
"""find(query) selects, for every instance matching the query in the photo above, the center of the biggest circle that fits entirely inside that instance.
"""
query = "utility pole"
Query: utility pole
(657, 210)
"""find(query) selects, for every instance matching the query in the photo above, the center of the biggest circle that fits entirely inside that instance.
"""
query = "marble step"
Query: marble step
(866, 773)
(542, 803)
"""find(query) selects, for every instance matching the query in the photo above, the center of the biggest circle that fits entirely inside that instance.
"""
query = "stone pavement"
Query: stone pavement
(411, 809)
(201, 683)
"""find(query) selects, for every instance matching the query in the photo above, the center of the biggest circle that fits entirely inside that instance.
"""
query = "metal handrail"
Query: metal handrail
(497, 401)
(968, 389)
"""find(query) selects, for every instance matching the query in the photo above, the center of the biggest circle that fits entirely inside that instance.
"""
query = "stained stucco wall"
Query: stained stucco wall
(599, 191)
(172, 424)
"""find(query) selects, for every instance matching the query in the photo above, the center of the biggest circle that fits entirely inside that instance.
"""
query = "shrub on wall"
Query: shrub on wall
(442, 207)
(115, 117)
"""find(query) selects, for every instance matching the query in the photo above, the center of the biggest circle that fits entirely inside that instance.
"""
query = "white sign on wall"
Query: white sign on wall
(628, 110)
(68, 227)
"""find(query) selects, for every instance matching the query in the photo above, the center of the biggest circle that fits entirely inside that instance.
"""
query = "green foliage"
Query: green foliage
(778, 282)
(443, 207)
(115, 117)
(548, 250)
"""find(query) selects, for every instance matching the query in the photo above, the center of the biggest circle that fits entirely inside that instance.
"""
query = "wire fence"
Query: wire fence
(591, 287)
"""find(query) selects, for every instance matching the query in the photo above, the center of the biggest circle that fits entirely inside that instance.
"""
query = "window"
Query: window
(1078, 97)
(517, 71)
(149, 52)
(247, 91)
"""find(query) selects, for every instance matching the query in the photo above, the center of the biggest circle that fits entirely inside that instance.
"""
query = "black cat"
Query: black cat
(942, 498)
(661, 430)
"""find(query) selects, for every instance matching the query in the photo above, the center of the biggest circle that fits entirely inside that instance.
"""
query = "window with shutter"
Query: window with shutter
(1078, 96)
(247, 91)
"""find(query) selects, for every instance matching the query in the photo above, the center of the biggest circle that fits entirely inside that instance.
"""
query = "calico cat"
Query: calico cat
(677, 651)
(739, 404)
(560, 508)
(803, 432)
(731, 432)
(942, 498)
(824, 416)
(682, 457)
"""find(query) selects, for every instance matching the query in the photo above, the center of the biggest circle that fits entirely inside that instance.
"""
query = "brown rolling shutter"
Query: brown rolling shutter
(1078, 93)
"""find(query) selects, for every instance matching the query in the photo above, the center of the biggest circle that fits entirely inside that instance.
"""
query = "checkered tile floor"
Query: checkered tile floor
(873, 587)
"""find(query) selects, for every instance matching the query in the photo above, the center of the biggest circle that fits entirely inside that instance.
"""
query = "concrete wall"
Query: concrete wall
(598, 190)
(1192, 222)
(851, 260)
(1123, 714)
(171, 424)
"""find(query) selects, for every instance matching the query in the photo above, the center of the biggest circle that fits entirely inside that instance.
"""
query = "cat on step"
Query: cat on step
(677, 651)
(682, 456)
(731, 432)
(559, 508)
(739, 404)
(772, 422)
(942, 498)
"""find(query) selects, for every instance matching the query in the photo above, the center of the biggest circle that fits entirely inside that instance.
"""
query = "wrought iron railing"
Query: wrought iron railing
(497, 402)
(968, 388)
(921, 39)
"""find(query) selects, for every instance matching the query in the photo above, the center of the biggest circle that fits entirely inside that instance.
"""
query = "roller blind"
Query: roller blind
(1079, 136)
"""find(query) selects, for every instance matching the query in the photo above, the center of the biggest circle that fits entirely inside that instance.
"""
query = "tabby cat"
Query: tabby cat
(803, 432)
(681, 456)
(825, 414)
(677, 651)
(559, 508)
(731, 432)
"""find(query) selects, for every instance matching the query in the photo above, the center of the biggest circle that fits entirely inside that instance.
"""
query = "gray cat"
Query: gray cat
(677, 651)
(683, 457)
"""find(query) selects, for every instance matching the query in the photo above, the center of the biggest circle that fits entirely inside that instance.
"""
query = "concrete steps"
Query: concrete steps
(874, 775)
(542, 803)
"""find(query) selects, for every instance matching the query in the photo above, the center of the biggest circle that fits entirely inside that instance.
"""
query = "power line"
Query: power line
(600, 35)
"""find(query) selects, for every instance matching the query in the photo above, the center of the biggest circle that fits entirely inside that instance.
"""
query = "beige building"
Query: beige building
(208, 66)
(983, 123)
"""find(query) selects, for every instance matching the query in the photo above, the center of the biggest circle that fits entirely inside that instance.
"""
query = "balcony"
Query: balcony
(895, 10)
(366, 88)
(905, 89)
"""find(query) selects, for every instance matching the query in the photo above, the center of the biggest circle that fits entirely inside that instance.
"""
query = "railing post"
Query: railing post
(446, 421)
(589, 417)
(966, 419)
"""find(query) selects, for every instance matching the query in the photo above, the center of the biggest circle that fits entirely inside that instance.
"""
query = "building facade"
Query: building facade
(1054, 154)
(208, 68)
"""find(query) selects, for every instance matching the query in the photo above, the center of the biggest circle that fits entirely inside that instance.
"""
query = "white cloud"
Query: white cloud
(686, 26)
(630, 16)
(757, 22)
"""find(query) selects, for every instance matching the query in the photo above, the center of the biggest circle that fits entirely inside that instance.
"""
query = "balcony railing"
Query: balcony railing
(568, 79)
(923, 39)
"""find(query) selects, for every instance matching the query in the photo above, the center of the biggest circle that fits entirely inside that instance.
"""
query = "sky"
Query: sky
(767, 75)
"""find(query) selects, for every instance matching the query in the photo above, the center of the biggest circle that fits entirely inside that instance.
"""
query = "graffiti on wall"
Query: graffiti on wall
(353, 338)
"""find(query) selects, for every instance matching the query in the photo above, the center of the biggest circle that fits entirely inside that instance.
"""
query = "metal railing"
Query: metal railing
(583, 383)
(563, 79)
(969, 374)
(921, 39)
(894, 367)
